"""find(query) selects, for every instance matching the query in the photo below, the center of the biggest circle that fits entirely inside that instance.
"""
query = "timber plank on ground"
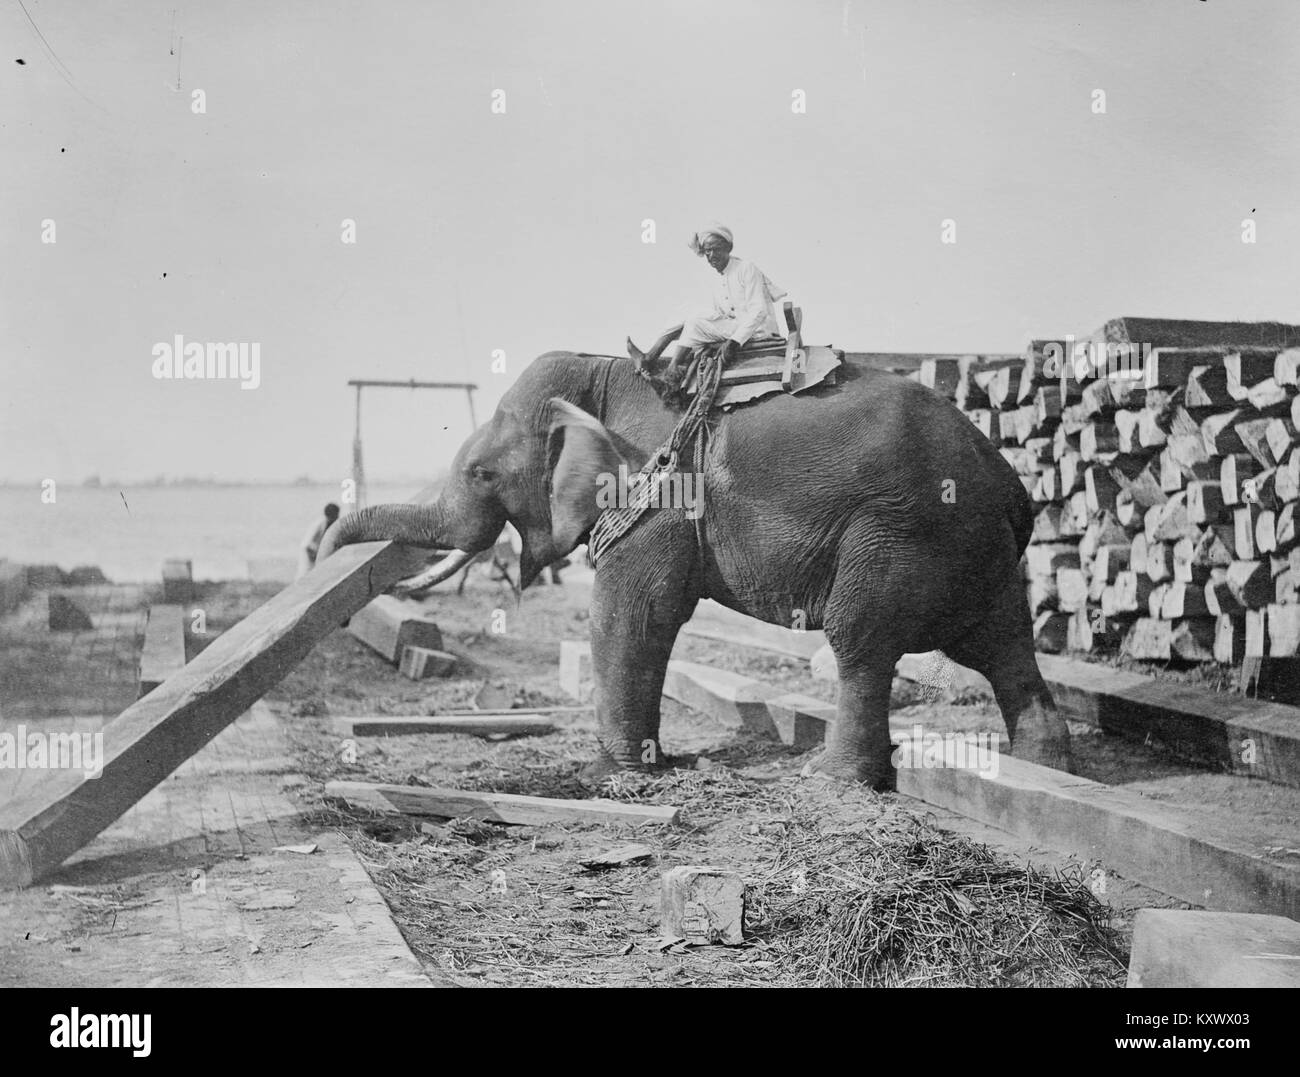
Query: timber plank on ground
(794, 719)
(714, 621)
(150, 739)
(1250, 737)
(389, 624)
(163, 652)
(522, 723)
(495, 807)
(1189, 948)
(798, 720)
(735, 700)
(1155, 844)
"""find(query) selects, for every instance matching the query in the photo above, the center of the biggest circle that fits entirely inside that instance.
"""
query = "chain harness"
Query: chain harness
(613, 524)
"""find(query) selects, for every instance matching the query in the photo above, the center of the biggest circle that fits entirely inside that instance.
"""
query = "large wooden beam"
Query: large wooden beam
(714, 621)
(1249, 737)
(58, 815)
(1180, 333)
(736, 700)
(904, 362)
(1189, 856)
(1190, 948)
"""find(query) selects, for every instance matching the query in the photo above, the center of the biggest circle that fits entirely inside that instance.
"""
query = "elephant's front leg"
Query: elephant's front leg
(635, 616)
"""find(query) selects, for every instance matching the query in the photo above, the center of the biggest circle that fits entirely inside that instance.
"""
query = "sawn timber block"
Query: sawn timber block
(389, 624)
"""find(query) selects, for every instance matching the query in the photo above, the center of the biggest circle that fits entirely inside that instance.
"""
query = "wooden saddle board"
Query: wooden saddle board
(753, 376)
(771, 366)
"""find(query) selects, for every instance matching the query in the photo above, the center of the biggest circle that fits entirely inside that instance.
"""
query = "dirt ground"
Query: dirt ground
(74, 673)
(484, 905)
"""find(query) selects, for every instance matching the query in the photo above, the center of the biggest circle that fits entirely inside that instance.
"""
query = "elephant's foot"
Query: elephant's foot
(1054, 752)
(852, 770)
(593, 775)
(605, 766)
(1042, 737)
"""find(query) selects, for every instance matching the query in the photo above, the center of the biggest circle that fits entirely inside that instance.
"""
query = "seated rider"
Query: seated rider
(742, 304)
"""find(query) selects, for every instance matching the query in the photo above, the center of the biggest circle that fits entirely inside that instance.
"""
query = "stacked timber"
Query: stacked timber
(1162, 460)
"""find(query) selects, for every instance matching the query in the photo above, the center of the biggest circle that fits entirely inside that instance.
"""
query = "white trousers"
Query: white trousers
(699, 331)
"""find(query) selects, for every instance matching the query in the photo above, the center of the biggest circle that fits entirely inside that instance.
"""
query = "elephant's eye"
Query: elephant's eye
(482, 473)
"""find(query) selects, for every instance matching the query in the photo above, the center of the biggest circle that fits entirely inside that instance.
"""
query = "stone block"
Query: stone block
(703, 905)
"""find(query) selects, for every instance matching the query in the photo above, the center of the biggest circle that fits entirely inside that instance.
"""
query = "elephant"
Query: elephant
(871, 508)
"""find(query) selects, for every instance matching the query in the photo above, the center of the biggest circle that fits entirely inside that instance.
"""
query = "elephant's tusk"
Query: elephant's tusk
(447, 567)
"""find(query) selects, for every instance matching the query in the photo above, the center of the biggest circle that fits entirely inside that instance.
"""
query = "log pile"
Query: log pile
(1163, 462)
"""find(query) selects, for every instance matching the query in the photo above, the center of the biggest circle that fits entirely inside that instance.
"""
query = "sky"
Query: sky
(522, 231)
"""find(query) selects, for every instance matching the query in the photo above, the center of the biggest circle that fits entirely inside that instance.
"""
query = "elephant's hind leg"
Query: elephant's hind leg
(1002, 648)
(858, 748)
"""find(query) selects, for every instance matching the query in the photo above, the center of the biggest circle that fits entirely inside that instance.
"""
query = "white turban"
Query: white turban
(719, 230)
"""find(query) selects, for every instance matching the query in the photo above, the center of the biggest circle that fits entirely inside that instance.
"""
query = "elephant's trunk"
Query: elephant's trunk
(415, 525)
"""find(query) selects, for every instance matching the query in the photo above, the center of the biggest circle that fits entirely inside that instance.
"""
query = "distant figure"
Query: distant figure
(311, 540)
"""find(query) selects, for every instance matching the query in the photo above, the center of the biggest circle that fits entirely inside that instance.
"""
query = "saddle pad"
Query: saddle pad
(750, 378)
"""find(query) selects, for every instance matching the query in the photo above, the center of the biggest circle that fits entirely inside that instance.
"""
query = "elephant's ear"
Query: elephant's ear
(584, 475)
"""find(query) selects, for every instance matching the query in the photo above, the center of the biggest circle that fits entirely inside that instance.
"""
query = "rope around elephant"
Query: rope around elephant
(613, 524)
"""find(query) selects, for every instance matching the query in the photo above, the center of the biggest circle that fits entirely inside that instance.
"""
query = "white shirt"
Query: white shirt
(743, 292)
(312, 536)
(310, 545)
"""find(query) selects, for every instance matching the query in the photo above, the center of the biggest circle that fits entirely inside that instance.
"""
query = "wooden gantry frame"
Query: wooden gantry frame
(358, 469)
